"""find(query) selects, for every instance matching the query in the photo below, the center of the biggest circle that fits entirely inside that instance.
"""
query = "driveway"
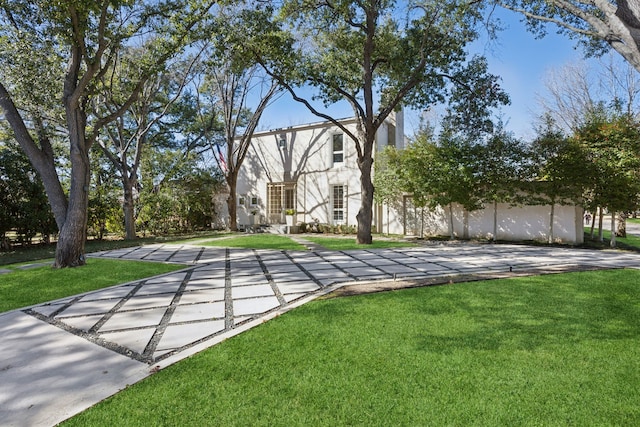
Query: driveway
(63, 356)
(633, 228)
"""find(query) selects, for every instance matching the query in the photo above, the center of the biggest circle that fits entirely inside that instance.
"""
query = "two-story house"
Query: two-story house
(310, 169)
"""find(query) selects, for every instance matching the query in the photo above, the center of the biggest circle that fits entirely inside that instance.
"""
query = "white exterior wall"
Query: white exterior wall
(512, 223)
(306, 159)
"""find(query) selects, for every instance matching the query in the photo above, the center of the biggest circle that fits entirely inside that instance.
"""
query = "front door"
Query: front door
(280, 197)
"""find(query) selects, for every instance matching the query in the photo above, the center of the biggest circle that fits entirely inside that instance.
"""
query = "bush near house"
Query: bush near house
(327, 228)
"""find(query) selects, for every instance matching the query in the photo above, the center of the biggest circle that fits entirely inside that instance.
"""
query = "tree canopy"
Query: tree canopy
(377, 56)
(598, 25)
(67, 47)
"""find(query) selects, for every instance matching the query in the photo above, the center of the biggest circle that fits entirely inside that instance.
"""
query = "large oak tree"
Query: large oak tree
(60, 51)
(377, 55)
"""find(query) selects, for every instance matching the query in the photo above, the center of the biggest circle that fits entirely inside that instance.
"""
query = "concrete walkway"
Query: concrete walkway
(59, 358)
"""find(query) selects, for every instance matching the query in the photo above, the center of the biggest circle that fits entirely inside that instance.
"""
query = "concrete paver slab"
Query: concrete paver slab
(88, 308)
(250, 291)
(203, 295)
(158, 288)
(134, 319)
(83, 323)
(177, 336)
(205, 284)
(143, 301)
(134, 339)
(254, 306)
(298, 287)
(202, 311)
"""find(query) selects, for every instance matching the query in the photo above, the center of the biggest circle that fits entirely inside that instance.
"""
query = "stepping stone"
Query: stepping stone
(134, 319)
(254, 306)
(251, 291)
(135, 340)
(203, 311)
(177, 336)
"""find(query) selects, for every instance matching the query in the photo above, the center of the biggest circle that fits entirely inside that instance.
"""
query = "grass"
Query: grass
(549, 350)
(257, 241)
(349, 243)
(275, 241)
(21, 288)
(630, 242)
(200, 239)
(44, 251)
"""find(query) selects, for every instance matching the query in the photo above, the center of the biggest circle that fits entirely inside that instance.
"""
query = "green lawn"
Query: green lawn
(39, 252)
(283, 242)
(200, 239)
(629, 242)
(21, 288)
(550, 350)
(257, 241)
(349, 243)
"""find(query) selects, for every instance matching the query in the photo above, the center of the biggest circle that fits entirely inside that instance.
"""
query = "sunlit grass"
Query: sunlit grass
(21, 288)
(549, 350)
(201, 239)
(349, 243)
(257, 241)
(41, 251)
(629, 242)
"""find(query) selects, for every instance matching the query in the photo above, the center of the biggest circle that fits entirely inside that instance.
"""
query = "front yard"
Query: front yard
(551, 350)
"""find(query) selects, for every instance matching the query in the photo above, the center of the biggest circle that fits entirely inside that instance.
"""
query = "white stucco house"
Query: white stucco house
(312, 169)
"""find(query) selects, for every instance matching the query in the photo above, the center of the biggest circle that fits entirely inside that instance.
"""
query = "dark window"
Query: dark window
(338, 148)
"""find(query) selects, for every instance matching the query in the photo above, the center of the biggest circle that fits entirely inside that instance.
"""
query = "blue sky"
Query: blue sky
(517, 56)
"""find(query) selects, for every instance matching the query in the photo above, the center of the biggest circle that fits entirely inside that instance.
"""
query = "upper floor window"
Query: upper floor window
(391, 135)
(338, 148)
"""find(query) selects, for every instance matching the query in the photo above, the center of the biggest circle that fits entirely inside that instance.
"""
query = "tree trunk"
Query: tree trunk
(388, 220)
(551, 220)
(128, 208)
(42, 158)
(495, 220)
(232, 201)
(600, 221)
(465, 233)
(366, 206)
(622, 225)
(73, 235)
(593, 224)
(612, 242)
(451, 233)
